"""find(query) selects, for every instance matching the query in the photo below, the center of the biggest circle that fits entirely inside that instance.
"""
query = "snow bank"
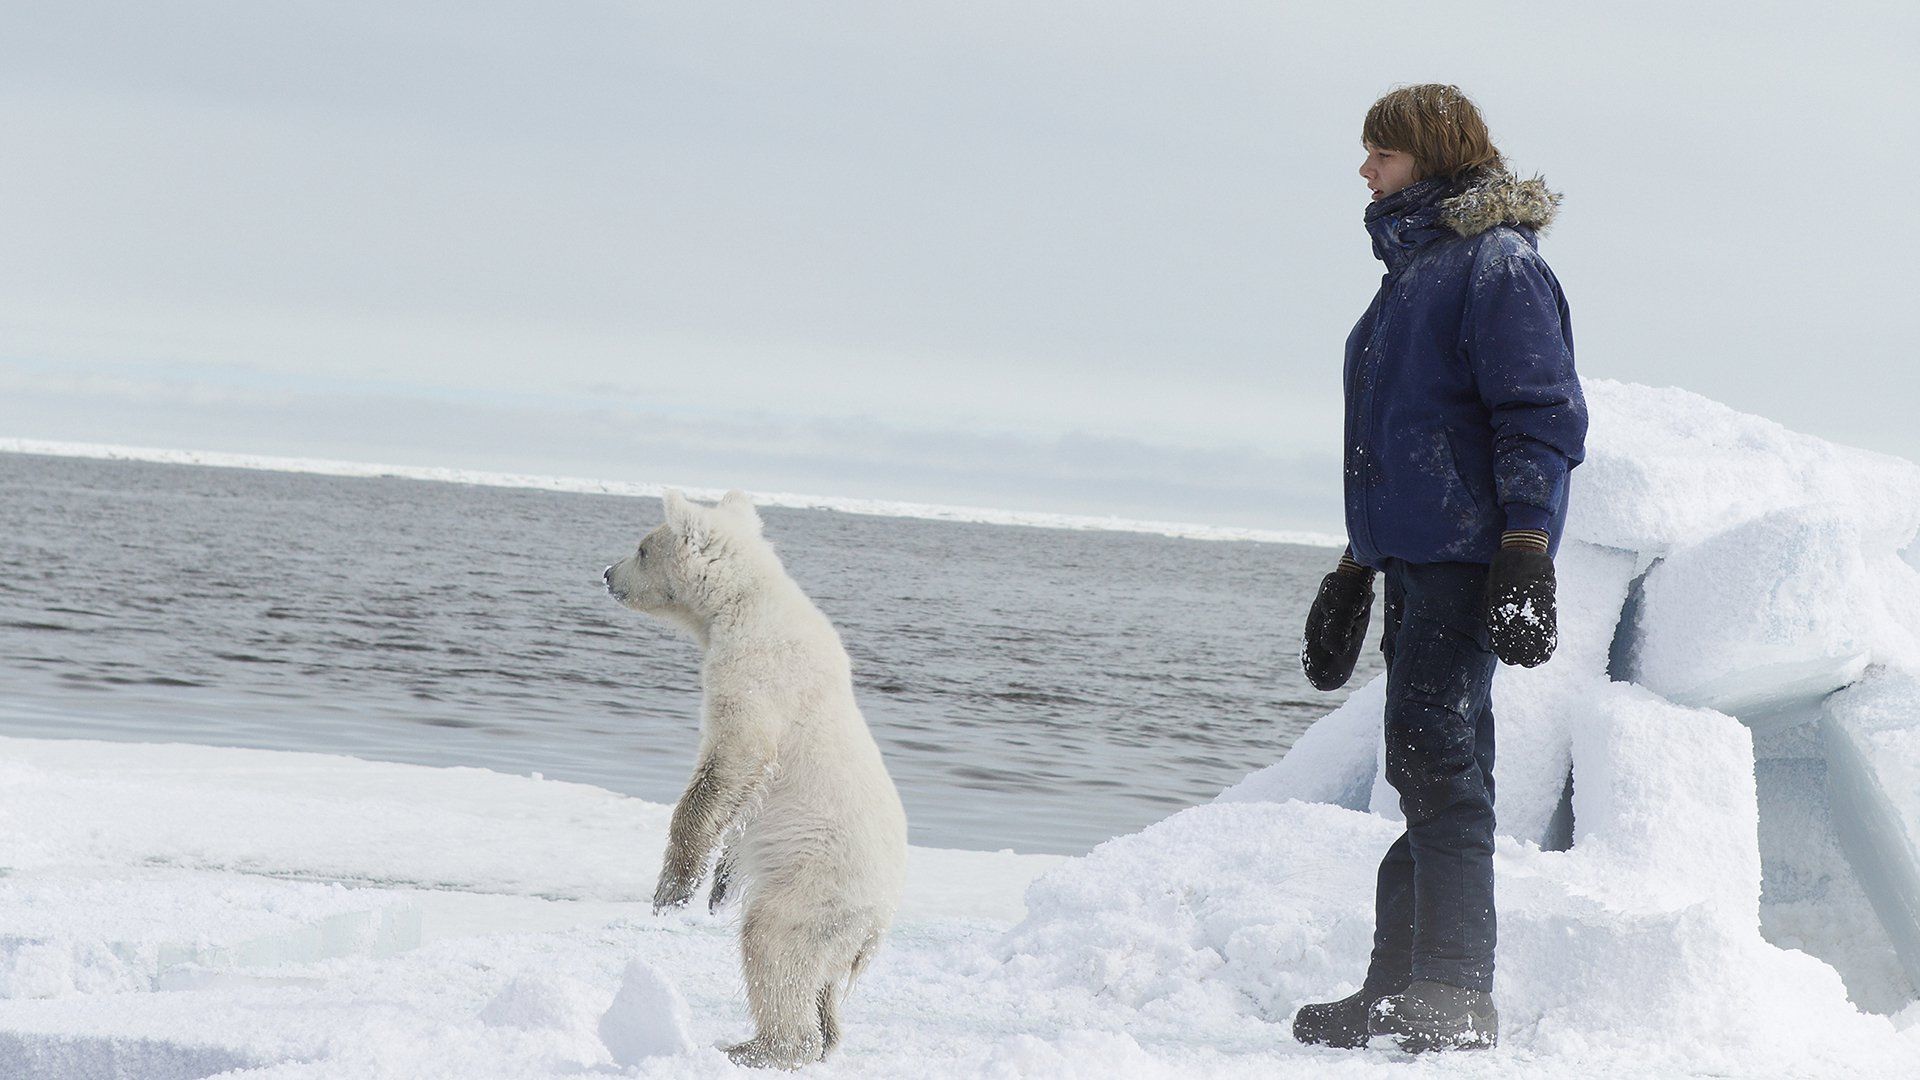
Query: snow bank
(1775, 613)
(1225, 918)
(189, 911)
(1227, 910)
(1666, 467)
(1739, 574)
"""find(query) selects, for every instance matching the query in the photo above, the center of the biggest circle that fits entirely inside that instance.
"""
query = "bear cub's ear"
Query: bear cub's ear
(687, 521)
(740, 505)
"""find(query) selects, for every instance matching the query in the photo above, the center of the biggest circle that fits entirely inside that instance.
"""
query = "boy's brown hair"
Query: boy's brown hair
(1436, 123)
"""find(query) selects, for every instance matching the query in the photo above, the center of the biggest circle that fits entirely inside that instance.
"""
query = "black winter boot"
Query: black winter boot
(1341, 1024)
(1435, 1016)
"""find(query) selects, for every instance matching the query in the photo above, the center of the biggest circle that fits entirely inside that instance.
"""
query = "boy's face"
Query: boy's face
(1386, 171)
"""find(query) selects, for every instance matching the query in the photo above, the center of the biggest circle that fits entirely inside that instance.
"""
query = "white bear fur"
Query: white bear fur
(789, 794)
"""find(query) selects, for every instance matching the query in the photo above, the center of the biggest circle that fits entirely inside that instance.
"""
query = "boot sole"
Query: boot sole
(1422, 1043)
(1338, 1040)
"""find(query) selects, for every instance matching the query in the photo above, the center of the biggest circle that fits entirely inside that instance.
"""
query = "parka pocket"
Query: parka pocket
(1460, 474)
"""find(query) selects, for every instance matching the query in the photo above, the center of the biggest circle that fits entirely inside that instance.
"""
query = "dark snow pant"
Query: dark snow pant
(1433, 904)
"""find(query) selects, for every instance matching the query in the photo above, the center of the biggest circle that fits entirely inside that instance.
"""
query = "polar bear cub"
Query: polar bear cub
(789, 795)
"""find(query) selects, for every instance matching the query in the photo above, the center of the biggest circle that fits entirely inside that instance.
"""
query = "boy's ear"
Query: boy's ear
(740, 504)
(687, 521)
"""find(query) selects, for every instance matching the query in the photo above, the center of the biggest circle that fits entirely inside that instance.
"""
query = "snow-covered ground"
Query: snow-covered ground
(1710, 860)
(182, 911)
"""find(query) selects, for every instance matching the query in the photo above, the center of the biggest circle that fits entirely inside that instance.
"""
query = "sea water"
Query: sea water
(1034, 689)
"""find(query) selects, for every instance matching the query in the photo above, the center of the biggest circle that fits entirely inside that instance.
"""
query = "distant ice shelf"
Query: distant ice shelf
(578, 485)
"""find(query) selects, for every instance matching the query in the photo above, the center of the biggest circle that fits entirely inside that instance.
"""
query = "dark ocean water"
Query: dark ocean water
(1034, 689)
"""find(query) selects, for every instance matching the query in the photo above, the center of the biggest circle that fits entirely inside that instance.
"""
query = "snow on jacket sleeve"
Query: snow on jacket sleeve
(1519, 341)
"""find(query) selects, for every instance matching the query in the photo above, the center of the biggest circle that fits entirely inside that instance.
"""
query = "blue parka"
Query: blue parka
(1464, 415)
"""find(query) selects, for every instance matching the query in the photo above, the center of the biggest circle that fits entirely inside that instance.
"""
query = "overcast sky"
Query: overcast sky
(1080, 257)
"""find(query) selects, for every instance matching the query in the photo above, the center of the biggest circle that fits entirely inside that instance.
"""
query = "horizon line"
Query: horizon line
(631, 489)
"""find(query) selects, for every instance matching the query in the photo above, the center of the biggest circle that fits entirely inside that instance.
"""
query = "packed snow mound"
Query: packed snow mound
(1640, 943)
(1665, 808)
(1247, 908)
(1713, 556)
(648, 1017)
(1774, 613)
(1666, 467)
(1722, 579)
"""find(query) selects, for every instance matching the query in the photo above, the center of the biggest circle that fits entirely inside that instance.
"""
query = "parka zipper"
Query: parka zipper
(1370, 362)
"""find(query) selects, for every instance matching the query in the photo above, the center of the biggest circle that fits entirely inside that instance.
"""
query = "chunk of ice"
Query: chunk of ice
(648, 1017)
(96, 932)
(32, 1054)
(1666, 467)
(1665, 796)
(1873, 759)
(1765, 616)
(1810, 898)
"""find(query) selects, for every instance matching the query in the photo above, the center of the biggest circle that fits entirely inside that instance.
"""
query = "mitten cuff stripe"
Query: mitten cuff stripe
(1348, 566)
(1535, 539)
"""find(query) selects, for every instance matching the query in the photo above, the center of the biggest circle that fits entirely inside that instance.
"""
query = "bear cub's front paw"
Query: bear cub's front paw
(672, 892)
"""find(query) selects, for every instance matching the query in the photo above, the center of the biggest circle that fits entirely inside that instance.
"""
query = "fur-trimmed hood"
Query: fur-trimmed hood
(1497, 197)
(1440, 207)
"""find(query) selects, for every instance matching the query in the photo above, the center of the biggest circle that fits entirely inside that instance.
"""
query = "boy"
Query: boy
(1464, 418)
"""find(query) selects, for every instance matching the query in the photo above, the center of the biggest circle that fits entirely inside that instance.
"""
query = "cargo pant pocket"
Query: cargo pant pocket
(1434, 697)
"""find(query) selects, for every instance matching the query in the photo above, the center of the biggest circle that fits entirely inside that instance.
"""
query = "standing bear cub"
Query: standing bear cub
(789, 797)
